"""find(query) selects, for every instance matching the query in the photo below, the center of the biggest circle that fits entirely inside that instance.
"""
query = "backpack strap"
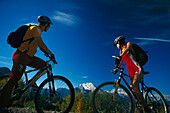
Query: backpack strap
(30, 39)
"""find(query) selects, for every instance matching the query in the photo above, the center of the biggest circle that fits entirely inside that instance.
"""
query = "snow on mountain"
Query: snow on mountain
(85, 87)
(120, 91)
(88, 86)
(167, 97)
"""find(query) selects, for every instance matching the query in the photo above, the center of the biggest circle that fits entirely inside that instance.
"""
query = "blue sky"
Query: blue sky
(83, 33)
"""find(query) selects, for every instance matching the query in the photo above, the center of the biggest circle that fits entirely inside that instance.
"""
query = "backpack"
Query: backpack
(16, 38)
(140, 54)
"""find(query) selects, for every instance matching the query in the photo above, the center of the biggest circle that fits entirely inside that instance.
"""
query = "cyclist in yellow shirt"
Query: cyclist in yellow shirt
(24, 56)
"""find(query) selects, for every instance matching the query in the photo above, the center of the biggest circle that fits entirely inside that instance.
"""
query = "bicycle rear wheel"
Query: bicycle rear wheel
(103, 101)
(59, 99)
(155, 101)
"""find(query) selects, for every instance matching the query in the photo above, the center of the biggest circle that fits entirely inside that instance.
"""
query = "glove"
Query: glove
(117, 61)
(115, 71)
(119, 58)
(53, 58)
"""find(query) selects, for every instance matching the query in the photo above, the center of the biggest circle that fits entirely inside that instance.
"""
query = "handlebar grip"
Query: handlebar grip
(116, 57)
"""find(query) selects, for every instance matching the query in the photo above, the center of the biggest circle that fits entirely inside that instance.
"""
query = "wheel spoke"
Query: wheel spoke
(103, 101)
(156, 101)
(60, 99)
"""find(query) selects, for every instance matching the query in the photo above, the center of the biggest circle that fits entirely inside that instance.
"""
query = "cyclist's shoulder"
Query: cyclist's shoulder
(35, 29)
(128, 44)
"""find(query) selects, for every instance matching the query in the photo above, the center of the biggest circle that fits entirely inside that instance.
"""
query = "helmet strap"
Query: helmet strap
(46, 27)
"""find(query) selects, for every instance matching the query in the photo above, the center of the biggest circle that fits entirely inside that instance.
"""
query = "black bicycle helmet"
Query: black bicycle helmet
(44, 20)
(119, 39)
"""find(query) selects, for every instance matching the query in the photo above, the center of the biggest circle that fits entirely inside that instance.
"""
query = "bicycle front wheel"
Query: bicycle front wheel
(103, 101)
(56, 94)
(155, 101)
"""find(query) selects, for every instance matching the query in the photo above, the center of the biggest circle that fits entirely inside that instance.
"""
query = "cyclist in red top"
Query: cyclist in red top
(135, 70)
(24, 56)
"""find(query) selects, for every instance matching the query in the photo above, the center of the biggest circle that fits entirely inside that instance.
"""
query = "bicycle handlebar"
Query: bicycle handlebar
(47, 55)
(116, 57)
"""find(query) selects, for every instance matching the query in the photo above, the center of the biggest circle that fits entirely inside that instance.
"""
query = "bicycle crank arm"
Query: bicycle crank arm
(17, 94)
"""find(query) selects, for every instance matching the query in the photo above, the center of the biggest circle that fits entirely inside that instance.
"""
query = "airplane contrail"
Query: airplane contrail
(153, 39)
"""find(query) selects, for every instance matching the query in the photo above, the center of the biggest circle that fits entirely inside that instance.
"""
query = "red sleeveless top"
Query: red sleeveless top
(130, 63)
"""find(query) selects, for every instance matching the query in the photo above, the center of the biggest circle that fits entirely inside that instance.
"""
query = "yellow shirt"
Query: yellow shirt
(31, 48)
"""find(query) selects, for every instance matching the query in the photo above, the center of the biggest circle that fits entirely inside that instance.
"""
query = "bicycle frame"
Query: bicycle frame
(143, 86)
(35, 78)
(47, 69)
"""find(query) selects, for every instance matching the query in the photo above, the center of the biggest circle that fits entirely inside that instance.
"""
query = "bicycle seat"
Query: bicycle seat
(145, 73)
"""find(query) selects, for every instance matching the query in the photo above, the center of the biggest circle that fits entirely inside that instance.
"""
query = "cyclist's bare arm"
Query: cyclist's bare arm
(42, 45)
(129, 47)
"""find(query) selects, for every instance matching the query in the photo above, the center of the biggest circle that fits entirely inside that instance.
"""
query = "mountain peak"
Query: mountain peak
(87, 86)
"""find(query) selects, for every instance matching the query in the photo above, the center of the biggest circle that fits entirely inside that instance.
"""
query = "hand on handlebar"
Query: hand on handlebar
(52, 57)
(115, 71)
(118, 61)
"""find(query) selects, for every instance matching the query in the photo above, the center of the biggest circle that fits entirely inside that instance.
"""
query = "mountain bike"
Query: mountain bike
(56, 93)
(113, 97)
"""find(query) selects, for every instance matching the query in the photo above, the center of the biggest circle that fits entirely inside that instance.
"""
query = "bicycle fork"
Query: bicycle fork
(117, 84)
(116, 88)
(51, 84)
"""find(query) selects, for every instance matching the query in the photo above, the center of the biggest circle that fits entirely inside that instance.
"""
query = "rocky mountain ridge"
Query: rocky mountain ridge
(4, 71)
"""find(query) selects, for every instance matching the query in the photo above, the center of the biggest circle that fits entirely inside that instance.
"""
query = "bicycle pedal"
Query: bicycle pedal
(15, 97)
(18, 90)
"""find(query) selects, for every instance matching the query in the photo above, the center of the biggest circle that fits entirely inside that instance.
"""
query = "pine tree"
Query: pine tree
(89, 106)
(81, 106)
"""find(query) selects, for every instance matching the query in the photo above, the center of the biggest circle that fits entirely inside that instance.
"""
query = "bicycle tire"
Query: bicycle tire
(156, 101)
(56, 101)
(108, 106)
(4, 79)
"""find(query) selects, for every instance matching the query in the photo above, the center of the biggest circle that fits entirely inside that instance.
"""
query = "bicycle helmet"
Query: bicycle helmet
(44, 20)
(120, 39)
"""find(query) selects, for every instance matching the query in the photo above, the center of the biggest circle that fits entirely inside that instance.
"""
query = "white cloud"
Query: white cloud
(2, 57)
(84, 76)
(5, 63)
(65, 18)
(149, 41)
(153, 39)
